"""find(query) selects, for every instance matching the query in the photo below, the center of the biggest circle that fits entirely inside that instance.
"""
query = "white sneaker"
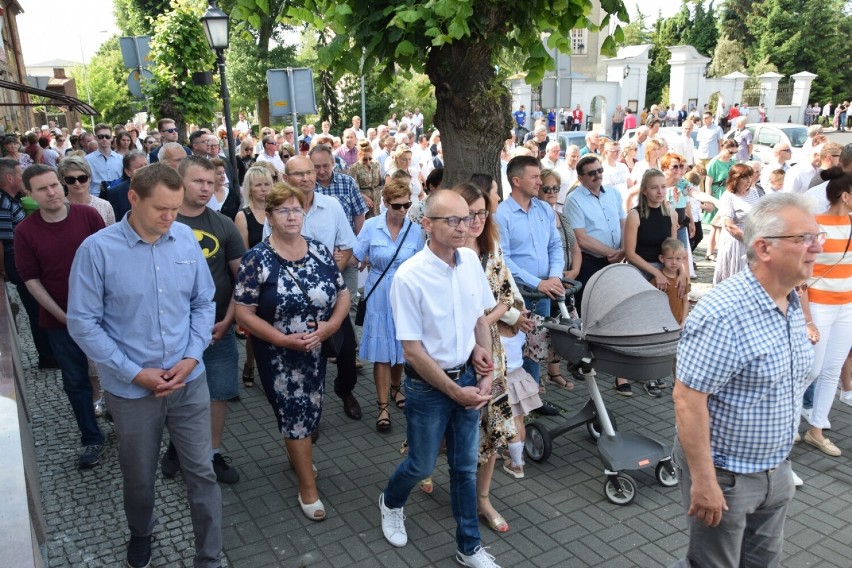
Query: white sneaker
(797, 481)
(846, 397)
(479, 559)
(393, 524)
(806, 414)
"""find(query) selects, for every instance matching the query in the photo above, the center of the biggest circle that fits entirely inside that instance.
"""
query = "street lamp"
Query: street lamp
(217, 29)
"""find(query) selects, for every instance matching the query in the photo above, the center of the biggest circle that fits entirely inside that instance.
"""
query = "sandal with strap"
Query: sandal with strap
(398, 396)
(497, 524)
(426, 485)
(560, 381)
(248, 377)
(383, 425)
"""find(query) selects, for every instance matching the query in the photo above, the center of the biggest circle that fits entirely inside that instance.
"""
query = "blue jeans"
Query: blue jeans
(808, 397)
(432, 415)
(542, 308)
(75, 381)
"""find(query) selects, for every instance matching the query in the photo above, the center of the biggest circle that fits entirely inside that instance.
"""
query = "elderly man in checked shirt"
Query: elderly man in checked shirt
(742, 367)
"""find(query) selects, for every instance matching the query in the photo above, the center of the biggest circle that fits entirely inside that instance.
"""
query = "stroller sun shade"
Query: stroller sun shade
(623, 311)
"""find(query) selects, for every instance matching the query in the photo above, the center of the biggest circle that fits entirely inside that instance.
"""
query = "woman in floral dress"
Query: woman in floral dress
(274, 280)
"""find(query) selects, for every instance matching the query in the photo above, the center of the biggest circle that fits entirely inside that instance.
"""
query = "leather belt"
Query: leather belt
(455, 373)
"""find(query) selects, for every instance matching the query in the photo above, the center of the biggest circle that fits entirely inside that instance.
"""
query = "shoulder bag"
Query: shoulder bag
(361, 312)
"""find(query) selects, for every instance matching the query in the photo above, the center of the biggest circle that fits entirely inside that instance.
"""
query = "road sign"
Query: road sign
(134, 81)
(136, 51)
(291, 91)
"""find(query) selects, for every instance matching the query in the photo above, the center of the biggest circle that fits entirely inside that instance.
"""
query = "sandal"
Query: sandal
(248, 377)
(396, 393)
(497, 524)
(310, 510)
(427, 486)
(560, 381)
(383, 425)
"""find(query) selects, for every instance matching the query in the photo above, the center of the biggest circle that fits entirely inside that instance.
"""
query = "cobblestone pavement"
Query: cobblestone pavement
(558, 514)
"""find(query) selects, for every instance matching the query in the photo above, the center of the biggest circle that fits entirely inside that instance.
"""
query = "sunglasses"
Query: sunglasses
(104, 136)
(598, 171)
(400, 206)
(678, 166)
(285, 156)
(70, 180)
(170, 130)
(550, 188)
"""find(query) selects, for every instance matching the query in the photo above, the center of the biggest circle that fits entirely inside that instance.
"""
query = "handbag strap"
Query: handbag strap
(385, 271)
(277, 260)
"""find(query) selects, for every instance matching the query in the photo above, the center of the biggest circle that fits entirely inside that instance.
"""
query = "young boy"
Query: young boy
(672, 255)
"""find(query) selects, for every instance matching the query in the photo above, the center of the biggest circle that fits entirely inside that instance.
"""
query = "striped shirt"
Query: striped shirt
(753, 361)
(831, 282)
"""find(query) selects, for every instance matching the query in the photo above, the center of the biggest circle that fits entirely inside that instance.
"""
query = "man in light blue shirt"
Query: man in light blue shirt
(106, 164)
(141, 306)
(597, 216)
(530, 241)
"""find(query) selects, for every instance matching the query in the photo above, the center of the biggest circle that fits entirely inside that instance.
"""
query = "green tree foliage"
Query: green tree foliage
(727, 58)
(457, 44)
(178, 49)
(794, 36)
(637, 32)
(107, 78)
(136, 17)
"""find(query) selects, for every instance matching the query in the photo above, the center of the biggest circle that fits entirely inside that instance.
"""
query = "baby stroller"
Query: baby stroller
(627, 330)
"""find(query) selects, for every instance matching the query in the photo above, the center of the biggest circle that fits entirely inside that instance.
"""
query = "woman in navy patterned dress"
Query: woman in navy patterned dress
(287, 331)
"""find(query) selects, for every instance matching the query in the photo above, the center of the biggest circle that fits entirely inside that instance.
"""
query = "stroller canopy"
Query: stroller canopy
(622, 311)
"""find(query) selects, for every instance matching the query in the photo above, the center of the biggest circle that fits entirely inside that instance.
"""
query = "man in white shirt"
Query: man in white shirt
(356, 126)
(798, 177)
(568, 173)
(685, 146)
(782, 154)
(417, 121)
(438, 298)
(242, 124)
(615, 173)
(270, 153)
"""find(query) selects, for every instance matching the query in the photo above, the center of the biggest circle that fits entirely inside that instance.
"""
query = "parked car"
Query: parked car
(573, 137)
(671, 134)
(768, 134)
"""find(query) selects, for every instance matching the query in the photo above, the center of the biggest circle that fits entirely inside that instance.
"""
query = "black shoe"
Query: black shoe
(351, 407)
(624, 389)
(170, 464)
(90, 456)
(315, 435)
(547, 409)
(653, 389)
(47, 363)
(224, 472)
(139, 552)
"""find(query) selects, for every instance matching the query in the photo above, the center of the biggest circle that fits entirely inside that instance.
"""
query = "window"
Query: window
(579, 41)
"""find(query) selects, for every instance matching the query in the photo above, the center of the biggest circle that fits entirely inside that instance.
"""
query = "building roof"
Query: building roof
(54, 63)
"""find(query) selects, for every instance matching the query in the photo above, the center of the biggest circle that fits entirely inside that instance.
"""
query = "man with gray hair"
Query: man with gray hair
(171, 153)
(745, 140)
(593, 144)
(782, 153)
(742, 366)
(799, 176)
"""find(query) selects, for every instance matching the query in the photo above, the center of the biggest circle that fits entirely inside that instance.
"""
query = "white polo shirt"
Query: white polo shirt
(438, 304)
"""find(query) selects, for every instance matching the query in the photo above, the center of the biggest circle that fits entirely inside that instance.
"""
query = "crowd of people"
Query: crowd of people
(458, 282)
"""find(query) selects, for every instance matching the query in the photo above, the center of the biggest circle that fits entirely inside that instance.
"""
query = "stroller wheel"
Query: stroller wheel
(666, 477)
(538, 444)
(595, 429)
(627, 487)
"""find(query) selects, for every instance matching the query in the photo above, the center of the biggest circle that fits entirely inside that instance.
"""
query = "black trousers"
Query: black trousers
(347, 374)
(591, 264)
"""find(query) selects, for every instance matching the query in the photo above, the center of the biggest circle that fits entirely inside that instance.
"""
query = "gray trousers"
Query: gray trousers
(350, 277)
(139, 425)
(751, 533)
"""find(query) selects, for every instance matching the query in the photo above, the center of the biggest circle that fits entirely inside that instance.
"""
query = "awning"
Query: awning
(55, 99)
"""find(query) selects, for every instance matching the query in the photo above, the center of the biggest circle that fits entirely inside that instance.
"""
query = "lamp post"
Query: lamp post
(217, 29)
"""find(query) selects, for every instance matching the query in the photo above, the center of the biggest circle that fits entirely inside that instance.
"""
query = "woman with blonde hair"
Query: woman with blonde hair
(400, 160)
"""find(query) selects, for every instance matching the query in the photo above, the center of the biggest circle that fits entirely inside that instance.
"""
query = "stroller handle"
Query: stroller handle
(571, 288)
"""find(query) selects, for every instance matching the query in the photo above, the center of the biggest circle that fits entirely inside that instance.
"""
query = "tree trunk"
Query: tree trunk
(473, 112)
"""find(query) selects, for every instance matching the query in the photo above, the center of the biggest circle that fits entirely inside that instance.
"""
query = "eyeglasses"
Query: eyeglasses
(550, 189)
(104, 136)
(400, 206)
(454, 221)
(598, 171)
(70, 180)
(285, 156)
(286, 211)
(271, 143)
(288, 132)
(302, 174)
(806, 239)
(169, 130)
(482, 214)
